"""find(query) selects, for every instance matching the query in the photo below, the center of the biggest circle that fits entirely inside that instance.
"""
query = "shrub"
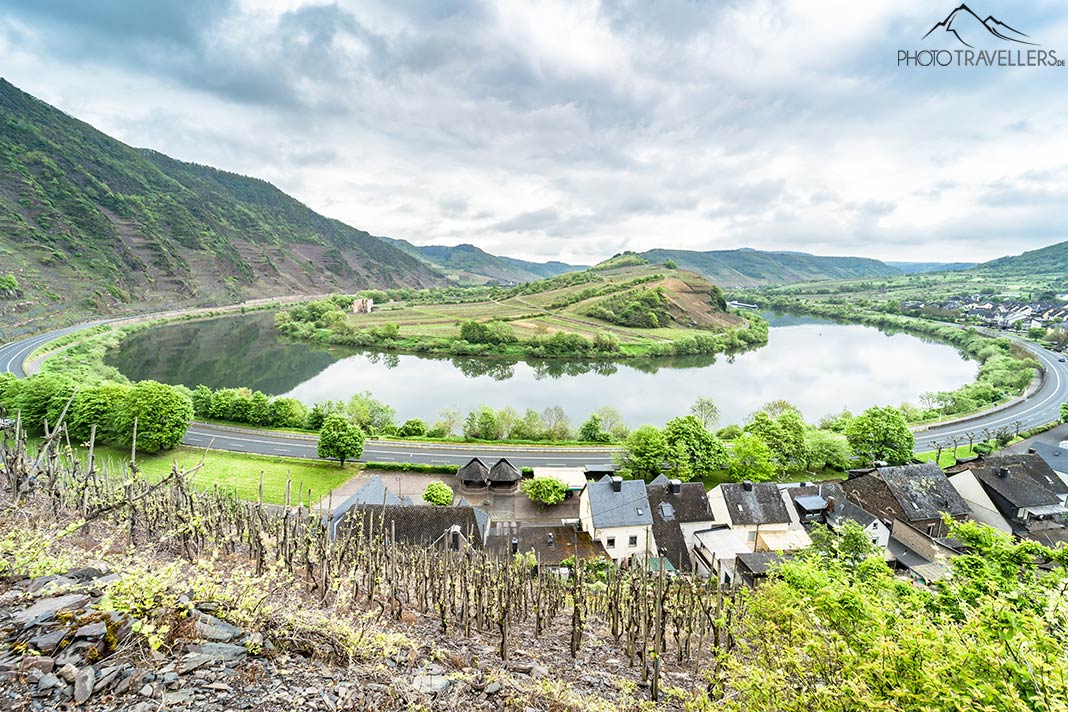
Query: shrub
(438, 494)
(544, 490)
(162, 414)
(412, 428)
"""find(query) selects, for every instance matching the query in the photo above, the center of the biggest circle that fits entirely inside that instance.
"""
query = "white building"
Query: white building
(615, 512)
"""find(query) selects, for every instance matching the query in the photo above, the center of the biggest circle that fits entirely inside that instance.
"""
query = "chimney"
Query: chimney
(1031, 451)
(456, 539)
(552, 541)
(676, 486)
(617, 484)
(1003, 472)
(830, 504)
(515, 545)
(747, 485)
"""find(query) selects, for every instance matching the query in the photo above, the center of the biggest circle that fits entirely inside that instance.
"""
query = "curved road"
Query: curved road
(1041, 408)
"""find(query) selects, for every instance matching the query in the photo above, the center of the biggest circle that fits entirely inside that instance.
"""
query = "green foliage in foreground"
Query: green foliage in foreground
(544, 490)
(162, 413)
(1064, 412)
(438, 494)
(835, 630)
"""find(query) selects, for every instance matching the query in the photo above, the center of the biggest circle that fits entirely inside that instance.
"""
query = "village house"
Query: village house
(616, 513)
(452, 527)
(679, 511)
(1027, 495)
(553, 546)
(915, 494)
(716, 552)
(758, 512)
(827, 504)
(362, 306)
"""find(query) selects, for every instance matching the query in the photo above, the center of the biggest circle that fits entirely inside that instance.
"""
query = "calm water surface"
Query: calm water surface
(820, 367)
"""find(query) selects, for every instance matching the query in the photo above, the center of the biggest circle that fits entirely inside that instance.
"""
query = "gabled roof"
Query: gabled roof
(627, 508)
(922, 491)
(836, 507)
(504, 472)
(761, 503)
(552, 544)
(475, 470)
(1021, 480)
(420, 525)
(1054, 456)
(670, 511)
(375, 492)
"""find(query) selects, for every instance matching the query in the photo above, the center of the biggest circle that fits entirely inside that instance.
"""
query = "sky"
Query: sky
(574, 130)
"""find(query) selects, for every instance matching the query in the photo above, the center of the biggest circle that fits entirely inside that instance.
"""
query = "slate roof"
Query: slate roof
(566, 542)
(1055, 457)
(1030, 482)
(627, 508)
(474, 471)
(420, 525)
(375, 492)
(762, 504)
(922, 491)
(670, 511)
(843, 508)
(760, 563)
(504, 472)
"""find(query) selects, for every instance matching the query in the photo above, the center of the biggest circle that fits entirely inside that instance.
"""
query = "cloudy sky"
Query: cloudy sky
(564, 129)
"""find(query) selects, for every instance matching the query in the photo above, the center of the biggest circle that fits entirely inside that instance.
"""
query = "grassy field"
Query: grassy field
(565, 309)
(240, 472)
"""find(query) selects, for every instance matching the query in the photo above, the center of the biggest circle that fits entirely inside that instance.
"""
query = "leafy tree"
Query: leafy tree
(482, 424)
(288, 413)
(412, 428)
(438, 494)
(528, 427)
(751, 459)
(340, 439)
(202, 401)
(99, 406)
(826, 448)
(544, 490)
(557, 424)
(370, 415)
(703, 451)
(35, 396)
(851, 543)
(881, 433)
(612, 421)
(671, 264)
(784, 434)
(447, 422)
(490, 332)
(777, 408)
(259, 412)
(592, 432)
(645, 452)
(162, 414)
(729, 432)
(706, 411)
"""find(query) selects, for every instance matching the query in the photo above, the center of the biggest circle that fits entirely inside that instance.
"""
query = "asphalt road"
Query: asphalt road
(1041, 408)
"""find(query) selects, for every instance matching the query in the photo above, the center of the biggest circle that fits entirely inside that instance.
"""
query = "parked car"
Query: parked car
(1061, 359)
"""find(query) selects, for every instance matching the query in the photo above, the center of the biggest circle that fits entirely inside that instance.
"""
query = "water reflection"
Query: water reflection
(821, 367)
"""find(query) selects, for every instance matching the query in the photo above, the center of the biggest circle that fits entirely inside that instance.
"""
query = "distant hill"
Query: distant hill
(91, 224)
(922, 267)
(471, 264)
(749, 268)
(1046, 260)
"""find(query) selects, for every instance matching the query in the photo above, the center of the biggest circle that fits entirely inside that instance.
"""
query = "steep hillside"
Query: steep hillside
(750, 268)
(89, 223)
(1046, 260)
(470, 264)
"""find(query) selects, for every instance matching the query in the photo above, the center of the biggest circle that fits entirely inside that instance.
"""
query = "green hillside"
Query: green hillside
(1046, 260)
(473, 265)
(93, 225)
(751, 268)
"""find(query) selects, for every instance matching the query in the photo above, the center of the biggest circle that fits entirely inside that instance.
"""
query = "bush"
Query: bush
(413, 428)
(162, 414)
(544, 490)
(438, 494)
(99, 406)
(490, 332)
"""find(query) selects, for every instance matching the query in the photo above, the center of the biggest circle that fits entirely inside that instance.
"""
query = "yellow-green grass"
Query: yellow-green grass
(948, 459)
(239, 472)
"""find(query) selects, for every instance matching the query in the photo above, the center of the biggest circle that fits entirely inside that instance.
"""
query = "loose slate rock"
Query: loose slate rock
(92, 630)
(48, 607)
(83, 684)
(431, 684)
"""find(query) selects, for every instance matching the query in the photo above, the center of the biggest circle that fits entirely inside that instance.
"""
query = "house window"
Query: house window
(610, 543)
(633, 541)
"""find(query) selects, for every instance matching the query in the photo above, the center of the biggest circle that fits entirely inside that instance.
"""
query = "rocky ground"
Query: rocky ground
(63, 650)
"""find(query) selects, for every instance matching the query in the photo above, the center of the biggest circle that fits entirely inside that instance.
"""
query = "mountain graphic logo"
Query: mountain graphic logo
(965, 25)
